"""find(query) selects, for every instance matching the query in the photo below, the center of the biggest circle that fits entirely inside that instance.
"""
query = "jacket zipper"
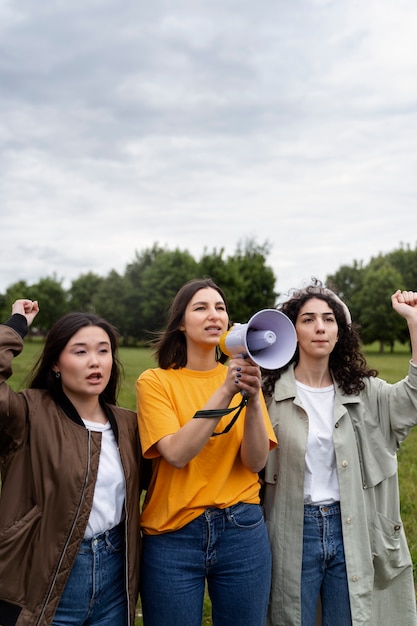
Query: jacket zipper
(126, 541)
(58, 567)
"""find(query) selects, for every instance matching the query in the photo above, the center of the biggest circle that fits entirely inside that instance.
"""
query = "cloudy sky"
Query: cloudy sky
(197, 124)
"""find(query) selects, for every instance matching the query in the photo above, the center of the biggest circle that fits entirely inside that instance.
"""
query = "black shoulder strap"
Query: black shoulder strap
(222, 412)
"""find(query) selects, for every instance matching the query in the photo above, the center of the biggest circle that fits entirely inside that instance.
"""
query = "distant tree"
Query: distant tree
(137, 302)
(159, 284)
(136, 327)
(404, 260)
(109, 301)
(53, 301)
(346, 282)
(82, 291)
(377, 319)
(4, 312)
(254, 287)
(16, 291)
(224, 273)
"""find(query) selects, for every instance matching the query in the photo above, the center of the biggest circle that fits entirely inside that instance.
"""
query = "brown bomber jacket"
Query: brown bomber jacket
(49, 463)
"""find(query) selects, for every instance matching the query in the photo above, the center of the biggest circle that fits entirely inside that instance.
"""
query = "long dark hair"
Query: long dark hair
(347, 363)
(170, 349)
(43, 377)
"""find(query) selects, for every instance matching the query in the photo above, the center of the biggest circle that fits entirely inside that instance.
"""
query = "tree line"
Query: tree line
(137, 301)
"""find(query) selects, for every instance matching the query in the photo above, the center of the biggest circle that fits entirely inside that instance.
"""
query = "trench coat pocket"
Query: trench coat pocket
(390, 552)
(378, 462)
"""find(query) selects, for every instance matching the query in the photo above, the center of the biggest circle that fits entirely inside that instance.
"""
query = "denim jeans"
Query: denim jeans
(227, 549)
(95, 592)
(324, 569)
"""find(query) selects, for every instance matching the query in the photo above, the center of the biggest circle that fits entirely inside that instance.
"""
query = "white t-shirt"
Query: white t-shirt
(110, 490)
(321, 485)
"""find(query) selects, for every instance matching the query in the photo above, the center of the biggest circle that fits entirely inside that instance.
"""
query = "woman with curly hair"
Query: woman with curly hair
(331, 485)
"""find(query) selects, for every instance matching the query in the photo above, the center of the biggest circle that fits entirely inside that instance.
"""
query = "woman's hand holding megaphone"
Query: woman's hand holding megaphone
(245, 376)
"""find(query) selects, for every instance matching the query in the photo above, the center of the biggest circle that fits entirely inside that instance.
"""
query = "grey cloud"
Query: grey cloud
(198, 123)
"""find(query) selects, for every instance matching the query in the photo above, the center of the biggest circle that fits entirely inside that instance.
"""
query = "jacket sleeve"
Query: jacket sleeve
(13, 406)
(398, 407)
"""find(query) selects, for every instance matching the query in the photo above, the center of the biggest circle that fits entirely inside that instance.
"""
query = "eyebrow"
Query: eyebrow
(206, 302)
(84, 343)
(313, 313)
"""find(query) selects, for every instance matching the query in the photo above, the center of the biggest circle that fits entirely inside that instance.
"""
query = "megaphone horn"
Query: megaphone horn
(269, 339)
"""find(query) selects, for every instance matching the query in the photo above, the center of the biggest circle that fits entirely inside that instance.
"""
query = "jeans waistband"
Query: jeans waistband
(212, 512)
(110, 534)
(319, 510)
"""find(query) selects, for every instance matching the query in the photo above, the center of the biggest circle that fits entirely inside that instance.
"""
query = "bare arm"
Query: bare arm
(182, 446)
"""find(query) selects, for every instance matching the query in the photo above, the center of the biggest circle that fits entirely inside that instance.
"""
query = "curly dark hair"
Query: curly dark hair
(347, 363)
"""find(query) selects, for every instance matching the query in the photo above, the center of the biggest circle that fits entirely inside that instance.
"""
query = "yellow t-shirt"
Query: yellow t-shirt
(216, 477)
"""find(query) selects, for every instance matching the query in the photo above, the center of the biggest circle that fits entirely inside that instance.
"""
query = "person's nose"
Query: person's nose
(93, 360)
(213, 313)
(319, 326)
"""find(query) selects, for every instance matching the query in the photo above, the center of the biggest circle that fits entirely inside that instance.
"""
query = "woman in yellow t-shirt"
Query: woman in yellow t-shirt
(201, 520)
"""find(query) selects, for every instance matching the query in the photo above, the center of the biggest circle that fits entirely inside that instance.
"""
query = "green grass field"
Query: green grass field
(391, 367)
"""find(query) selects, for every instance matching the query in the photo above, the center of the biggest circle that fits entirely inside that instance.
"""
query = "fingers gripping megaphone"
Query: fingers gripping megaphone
(269, 339)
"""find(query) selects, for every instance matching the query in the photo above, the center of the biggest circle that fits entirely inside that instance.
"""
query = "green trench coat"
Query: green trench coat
(368, 429)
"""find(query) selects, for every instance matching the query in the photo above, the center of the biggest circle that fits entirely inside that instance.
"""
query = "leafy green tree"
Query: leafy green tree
(16, 291)
(378, 321)
(137, 302)
(53, 302)
(405, 261)
(346, 282)
(82, 291)
(109, 301)
(4, 312)
(224, 273)
(135, 325)
(254, 286)
(160, 282)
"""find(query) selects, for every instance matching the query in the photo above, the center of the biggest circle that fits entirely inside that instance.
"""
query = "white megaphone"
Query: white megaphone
(269, 339)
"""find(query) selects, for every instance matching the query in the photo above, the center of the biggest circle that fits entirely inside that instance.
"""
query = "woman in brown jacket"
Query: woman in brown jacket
(69, 458)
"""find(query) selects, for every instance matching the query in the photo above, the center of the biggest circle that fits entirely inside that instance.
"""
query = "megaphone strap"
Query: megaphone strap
(222, 412)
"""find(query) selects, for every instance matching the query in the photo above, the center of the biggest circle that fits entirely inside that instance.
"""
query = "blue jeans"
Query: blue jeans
(324, 569)
(226, 548)
(95, 592)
